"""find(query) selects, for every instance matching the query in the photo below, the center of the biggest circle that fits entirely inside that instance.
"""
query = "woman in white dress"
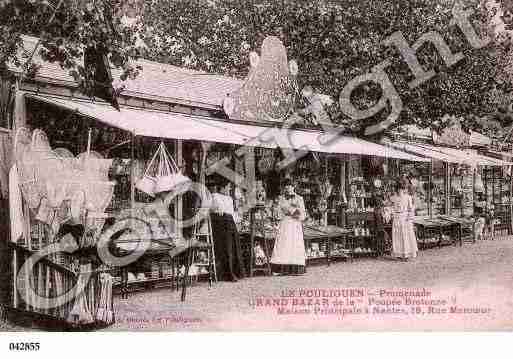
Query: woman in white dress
(289, 248)
(404, 241)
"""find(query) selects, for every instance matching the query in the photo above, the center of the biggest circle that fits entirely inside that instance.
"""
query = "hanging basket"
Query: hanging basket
(163, 175)
(146, 185)
(176, 182)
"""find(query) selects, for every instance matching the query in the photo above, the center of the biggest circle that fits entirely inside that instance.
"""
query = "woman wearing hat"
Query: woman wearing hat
(404, 241)
(229, 263)
(289, 249)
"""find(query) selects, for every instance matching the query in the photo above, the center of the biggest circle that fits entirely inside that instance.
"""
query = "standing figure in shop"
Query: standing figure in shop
(404, 241)
(228, 252)
(289, 256)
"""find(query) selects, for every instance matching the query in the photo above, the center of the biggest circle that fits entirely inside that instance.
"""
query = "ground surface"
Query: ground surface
(476, 276)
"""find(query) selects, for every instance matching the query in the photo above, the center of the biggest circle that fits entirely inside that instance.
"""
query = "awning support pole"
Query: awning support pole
(430, 190)
(447, 188)
(474, 171)
(132, 172)
(179, 201)
(510, 199)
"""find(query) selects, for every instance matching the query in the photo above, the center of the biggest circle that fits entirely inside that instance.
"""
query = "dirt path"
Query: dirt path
(477, 277)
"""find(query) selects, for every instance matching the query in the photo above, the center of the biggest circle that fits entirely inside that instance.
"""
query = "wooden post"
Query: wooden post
(510, 199)
(447, 188)
(132, 172)
(179, 200)
(14, 277)
(462, 210)
(343, 195)
(430, 190)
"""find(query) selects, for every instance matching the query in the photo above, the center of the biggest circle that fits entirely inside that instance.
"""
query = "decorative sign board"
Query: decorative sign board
(453, 135)
(267, 93)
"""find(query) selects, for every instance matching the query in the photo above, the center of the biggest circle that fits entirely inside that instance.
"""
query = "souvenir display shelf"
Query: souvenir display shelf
(439, 189)
(310, 175)
(359, 216)
(421, 197)
(498, 192)
(421, 181)
(461, 191)
(157, 267)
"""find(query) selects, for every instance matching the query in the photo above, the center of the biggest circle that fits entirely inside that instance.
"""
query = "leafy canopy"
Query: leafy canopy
(333, 42)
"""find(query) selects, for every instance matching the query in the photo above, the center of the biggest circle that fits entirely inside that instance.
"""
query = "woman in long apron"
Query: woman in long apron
(289, 256)
(227, 247)
(404, 241)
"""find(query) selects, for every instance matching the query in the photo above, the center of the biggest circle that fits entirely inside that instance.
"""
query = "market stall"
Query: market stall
(136, 167)
(340, 199)
(456, 187)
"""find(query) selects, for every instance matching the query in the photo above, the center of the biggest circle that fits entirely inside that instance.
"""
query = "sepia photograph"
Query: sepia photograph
(255, 166)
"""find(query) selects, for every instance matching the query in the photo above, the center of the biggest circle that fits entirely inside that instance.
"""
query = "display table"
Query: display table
(439, 229)
(170, 266)
(324, 238)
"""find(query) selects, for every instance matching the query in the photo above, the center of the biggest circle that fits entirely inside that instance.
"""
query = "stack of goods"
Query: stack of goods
(201, 262)
(259, 255)
(446, 239)
(81, 312)
(154, 271)
(166, 269)
(325, 189)
(428, 240)
(105, 313)
(316, 250)
(363, 250)
(339, 249)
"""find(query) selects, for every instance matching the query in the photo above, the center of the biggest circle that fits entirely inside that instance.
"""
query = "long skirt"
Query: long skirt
(227, 248)
(289, 256)
(404, 241)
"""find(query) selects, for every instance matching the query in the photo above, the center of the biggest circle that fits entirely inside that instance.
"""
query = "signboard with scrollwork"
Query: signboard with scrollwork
(452, 135)
(268, 93)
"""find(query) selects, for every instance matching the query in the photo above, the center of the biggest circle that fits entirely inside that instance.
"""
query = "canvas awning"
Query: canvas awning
(447, 154)
(150, 123)
(412, 148)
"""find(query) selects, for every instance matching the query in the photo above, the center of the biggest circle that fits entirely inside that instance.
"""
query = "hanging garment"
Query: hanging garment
(5, 163)
(15, 205)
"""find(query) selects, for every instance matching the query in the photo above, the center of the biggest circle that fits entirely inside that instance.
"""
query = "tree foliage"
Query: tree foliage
(333, 42)
(66, 29)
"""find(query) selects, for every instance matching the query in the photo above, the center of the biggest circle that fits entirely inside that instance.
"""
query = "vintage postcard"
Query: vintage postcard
(232, 165)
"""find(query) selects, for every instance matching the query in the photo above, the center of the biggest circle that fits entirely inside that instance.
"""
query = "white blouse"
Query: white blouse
(222, 204)
(290, 205)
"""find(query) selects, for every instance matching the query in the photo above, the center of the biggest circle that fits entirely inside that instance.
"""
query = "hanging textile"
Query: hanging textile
(15, 208)
(6, 96)
(20, 110)
(5, 162)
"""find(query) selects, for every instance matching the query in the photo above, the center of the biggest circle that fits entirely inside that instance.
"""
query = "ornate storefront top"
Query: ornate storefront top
(452, 135)
(268, 93)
